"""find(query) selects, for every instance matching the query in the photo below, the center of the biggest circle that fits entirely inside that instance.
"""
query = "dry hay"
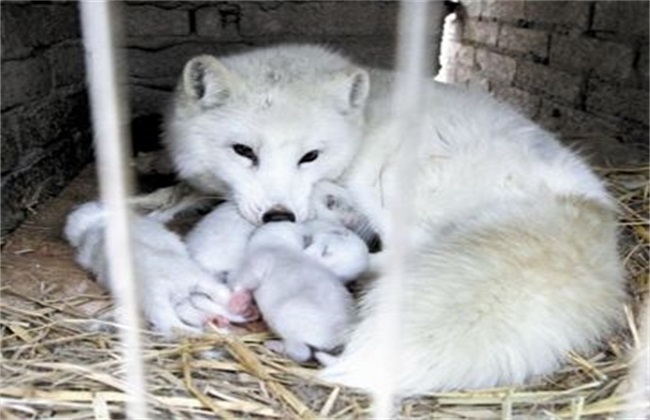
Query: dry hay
(55, 367)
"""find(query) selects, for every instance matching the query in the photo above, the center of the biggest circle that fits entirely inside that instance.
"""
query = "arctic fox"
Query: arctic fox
(300, 298)
(515, 260)
(178, 296)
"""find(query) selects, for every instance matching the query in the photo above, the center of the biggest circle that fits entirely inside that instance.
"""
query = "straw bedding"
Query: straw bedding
(55, 366)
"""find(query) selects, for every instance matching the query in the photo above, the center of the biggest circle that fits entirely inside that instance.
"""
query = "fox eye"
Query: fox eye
(245, 151)
(309, 157)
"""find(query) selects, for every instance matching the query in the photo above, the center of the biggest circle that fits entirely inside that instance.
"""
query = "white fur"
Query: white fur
(176, 294)
(219, 240)
(516, 259)
(301, 300)
(336, 248)
(183, 286)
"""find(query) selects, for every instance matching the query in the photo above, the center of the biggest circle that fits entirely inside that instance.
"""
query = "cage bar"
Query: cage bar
(413, 67)
(101, 23)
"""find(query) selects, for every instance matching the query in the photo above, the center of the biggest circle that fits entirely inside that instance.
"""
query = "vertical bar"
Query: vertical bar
(413, 64)
(638, 396)
(99, 20)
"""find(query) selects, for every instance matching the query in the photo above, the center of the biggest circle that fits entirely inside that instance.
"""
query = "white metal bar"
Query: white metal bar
(638, 397)
(100, 25)
(413, 64)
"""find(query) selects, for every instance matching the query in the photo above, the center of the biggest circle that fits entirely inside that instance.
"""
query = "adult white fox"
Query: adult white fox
(515, 259)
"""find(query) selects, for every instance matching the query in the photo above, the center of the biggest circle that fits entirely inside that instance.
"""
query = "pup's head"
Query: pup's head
(82, 219)
(337, 248)
(267, 125)
(281, 235)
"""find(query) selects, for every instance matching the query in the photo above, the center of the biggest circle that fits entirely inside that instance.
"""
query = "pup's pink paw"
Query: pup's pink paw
(241, 303)
(220, 321)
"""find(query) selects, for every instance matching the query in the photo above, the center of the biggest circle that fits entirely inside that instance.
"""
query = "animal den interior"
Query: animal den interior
(578, 69)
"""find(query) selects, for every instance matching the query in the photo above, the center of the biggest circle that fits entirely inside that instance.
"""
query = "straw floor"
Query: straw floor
(54, 366)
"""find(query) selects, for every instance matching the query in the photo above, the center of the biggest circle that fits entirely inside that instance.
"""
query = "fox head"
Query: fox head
(265, 126)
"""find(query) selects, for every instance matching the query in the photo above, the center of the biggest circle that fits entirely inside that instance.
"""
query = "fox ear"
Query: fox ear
(351, 88)
(207, 81)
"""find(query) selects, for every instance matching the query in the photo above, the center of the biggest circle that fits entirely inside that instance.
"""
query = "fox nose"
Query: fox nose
(278, 214)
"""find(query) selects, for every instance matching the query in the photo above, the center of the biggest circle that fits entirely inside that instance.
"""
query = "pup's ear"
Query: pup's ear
(207, 81)
(350, 88)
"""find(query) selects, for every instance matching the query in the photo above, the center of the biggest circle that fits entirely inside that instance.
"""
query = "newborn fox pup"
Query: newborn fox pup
(180, 296)
(301, 300)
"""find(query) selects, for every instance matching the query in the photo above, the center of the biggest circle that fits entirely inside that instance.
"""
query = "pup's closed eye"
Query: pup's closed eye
(325, 252)
(307, 240)
(330, 201)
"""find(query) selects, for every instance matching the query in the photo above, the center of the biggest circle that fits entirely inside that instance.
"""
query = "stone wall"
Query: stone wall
(45, 124)
(578, 67)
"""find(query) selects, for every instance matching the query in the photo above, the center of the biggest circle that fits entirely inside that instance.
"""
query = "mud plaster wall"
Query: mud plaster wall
(579, 68)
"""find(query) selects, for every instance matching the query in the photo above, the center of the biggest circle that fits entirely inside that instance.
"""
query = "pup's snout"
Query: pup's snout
(278, 214)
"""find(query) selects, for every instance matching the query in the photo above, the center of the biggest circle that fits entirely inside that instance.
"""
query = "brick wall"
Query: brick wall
(163, 35)
(579, 68)
(45, 126)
